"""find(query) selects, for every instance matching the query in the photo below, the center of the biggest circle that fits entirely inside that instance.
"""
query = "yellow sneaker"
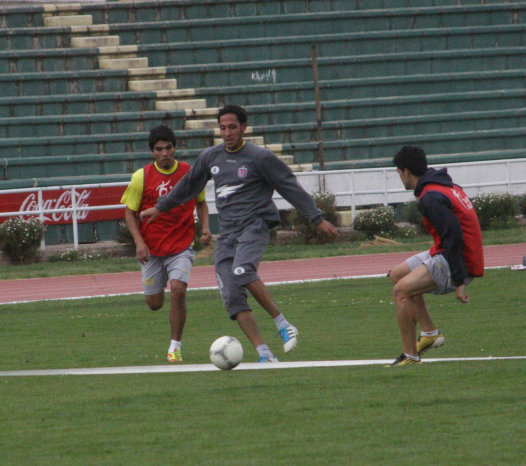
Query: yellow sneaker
(403, 360)
(425, 343)
(175, 356)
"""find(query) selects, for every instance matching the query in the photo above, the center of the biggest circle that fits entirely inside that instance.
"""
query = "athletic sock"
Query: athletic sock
(174, 344)
(414, 358)
(281, 322)
(432, 333)
(264, 350)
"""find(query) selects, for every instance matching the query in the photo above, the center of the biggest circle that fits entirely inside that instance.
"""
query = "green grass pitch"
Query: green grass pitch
(444, 413)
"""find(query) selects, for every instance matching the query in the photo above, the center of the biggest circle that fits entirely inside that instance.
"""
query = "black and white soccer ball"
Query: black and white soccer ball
(226, 352)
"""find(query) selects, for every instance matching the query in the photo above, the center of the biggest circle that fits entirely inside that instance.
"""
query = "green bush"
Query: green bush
(308, 233)
(20, 239)
(496, 210)
(522, 203)
(411, 214)
(378, 221)
(406, 232)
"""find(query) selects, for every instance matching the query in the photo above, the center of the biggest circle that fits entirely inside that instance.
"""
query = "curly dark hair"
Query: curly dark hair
(160, 133)
(240, 112)
(412, 158)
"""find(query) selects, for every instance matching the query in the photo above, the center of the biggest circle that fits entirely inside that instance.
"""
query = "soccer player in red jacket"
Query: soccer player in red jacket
(455, 258)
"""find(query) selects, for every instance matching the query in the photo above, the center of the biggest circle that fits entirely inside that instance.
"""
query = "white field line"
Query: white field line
(287, 282)
(243, 366)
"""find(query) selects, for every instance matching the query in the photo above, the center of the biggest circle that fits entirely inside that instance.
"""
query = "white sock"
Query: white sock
(414, 358)
(174, 344)
(432, 333)
(281, 322)
(264, 350)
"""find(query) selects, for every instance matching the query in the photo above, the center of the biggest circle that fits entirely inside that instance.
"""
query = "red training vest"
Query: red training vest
(469, 222)
(174, 230)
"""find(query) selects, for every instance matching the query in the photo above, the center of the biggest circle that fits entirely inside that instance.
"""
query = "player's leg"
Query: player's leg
(430, 335)
(261, 294)
(398, 272)
(154, 280)
(251, 244)
(178, 269)
(177, 309)
(234, 296)
(408, 309)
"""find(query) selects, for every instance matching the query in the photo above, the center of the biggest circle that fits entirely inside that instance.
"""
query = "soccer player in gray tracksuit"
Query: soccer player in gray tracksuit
(245, 177)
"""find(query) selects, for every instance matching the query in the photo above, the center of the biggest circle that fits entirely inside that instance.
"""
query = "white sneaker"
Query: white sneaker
(289, 335)
(268, 359)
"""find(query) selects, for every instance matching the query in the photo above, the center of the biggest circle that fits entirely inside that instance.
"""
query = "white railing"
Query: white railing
(352, 188)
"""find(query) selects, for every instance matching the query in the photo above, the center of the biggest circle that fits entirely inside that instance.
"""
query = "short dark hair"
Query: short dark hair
(240, 112)
(412, 158)
(160, 133)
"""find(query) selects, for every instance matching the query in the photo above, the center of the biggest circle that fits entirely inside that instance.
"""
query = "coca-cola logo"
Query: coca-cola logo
(63, 201)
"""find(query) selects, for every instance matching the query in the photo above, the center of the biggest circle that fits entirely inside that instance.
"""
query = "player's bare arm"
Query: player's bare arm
(141, 250)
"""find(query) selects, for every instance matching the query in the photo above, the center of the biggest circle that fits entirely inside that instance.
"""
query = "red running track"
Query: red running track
(106, 284)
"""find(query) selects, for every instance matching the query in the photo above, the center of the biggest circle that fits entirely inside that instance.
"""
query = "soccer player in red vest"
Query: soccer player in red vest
(455, 258)
(164, 248)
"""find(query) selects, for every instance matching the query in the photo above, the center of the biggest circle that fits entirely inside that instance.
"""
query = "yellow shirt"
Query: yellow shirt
(132, 197)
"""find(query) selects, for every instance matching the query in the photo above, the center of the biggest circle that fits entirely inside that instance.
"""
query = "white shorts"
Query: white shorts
(160, 269)
(439, 269)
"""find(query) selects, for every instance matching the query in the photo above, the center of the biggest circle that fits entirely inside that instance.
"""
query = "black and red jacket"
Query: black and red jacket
(450, 218)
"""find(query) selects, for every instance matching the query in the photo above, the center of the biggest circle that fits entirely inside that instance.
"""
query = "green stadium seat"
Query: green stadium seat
(63, 82)
(354, 88)
(341, 67)
(459, 157)
(96, 143)
(73, 165)
(449, 142)
(325, 22)
(48, 60)
(85, 124)
(331, 45)
(394, 126)
(71, 104)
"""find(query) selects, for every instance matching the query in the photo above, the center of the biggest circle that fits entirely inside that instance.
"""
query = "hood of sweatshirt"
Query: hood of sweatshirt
(433, 176)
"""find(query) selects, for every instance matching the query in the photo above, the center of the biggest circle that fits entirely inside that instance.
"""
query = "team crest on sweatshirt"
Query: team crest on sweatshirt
(242, 172)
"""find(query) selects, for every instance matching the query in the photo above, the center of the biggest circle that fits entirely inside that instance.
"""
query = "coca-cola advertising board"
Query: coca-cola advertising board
(61, 199)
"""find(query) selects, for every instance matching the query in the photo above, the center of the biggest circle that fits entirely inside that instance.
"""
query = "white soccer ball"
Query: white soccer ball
(226, 352)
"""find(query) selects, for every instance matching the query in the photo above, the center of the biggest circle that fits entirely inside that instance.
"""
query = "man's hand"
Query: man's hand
(206, 236)
(460, 293)
(328, 228)
(142, 253)
(149, 214)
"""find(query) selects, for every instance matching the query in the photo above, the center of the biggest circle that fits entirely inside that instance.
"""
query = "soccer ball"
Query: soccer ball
(226, 352)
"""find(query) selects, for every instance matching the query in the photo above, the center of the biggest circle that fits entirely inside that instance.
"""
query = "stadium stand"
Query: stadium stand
(81, 84)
